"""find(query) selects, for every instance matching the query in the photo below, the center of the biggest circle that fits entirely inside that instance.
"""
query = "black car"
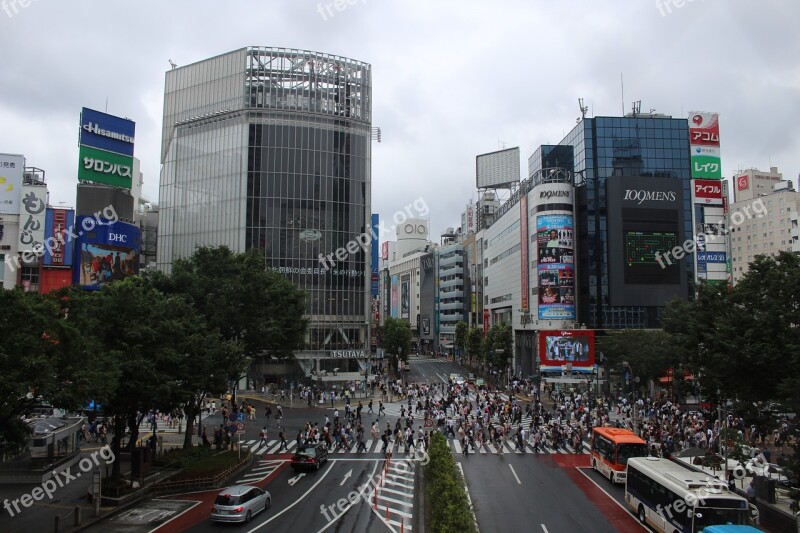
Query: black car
(311, 456)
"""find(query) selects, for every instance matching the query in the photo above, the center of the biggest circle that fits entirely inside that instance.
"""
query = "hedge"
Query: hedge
(447, 506)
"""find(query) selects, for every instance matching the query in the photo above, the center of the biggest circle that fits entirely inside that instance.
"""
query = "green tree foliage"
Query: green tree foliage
(501, 345)
(239, 297)
(474, 345)
(650, 353)
(745, 341)
(460, 341)
(450, 511)
(396, 340)
(42, 357)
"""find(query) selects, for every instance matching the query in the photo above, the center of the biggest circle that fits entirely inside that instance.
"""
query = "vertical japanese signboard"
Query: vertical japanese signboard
(523, 242)
(704, 145)
(11, 169)
(32, 219)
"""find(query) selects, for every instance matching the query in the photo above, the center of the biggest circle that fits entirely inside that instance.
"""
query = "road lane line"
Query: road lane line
(515, 474)
(361, 493)
(301, 498)
(469, 499)
(544, 529)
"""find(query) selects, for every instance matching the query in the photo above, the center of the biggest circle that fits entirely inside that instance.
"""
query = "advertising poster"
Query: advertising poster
(574, 347)
(555, 267)
(395, 296)
(106, 253)
(704, 145)
(405, 286)
(11, 170)
(56, 224)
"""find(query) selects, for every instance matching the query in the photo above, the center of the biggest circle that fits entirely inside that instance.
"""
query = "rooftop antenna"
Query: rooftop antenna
(501, 144)
(172, 64)
(584, 109)
(637, 107)
(622, 92)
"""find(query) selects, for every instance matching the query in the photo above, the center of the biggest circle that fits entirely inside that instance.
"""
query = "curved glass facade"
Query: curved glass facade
(269, 148)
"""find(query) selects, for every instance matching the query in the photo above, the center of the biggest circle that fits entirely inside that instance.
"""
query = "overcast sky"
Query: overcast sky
(451, 78)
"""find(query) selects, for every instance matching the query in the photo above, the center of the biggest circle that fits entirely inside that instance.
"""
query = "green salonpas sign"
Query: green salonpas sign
(108, 168)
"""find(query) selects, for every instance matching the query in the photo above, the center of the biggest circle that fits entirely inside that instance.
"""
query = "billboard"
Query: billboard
(107, 132)
(106, 253)
(32, 219)
(523, 241)
(555, 268)
(374, 281)
(405, 297)
(707, 192)
(742, 183)
(496, 169)
(11, 170)
(99, 166)
(385, 250)
(567, 347)
(704, 145)
(94, 198)
(645, 225)
(56, 224)
(395, 296)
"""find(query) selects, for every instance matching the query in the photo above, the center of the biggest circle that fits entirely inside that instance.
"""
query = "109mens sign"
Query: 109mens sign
(649, 196)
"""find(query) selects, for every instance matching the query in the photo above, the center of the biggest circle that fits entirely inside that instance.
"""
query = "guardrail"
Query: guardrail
(169, 485)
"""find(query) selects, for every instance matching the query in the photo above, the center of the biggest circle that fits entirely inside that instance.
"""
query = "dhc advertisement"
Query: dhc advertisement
(107, 252)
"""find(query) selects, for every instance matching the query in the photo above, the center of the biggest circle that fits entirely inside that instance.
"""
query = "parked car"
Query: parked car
(310, 457)
(470, 378)
(480, 383)
(240, 503)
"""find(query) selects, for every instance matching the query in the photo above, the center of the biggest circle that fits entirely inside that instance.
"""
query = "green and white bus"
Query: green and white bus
(673, 499)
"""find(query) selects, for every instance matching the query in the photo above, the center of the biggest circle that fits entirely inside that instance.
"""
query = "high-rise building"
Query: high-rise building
(763, 225)
(269, 148)
(632, 178)
(752, 183)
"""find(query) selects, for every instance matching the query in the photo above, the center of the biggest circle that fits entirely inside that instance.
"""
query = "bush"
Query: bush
(449, 509)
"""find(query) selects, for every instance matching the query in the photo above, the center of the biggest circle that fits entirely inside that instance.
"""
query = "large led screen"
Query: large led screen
(573, 347)
(555, 267)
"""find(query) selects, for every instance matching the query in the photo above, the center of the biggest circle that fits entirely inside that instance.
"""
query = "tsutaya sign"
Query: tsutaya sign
(348, 354)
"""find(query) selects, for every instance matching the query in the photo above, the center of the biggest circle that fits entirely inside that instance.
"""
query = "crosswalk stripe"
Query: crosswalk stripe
(457, 446)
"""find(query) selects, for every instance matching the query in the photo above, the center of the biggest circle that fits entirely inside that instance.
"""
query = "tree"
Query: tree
(396, 340)
(502, 345)
(744, 341)
(474, 345)
(462, 329)
(239, 297)
(649, 353)
(42, 357)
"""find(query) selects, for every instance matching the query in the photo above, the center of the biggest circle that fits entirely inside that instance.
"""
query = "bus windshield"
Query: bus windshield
(626, 451)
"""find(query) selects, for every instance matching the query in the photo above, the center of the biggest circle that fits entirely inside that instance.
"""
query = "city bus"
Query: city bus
(673, 499)
(611, 449)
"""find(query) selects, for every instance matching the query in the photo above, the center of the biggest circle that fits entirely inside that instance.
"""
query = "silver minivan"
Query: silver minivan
(240, 503)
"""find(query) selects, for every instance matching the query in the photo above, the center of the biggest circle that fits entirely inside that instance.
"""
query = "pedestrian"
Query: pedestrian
(278, 416)
(381, 409)
(263, 435)
(370, 406)
(268, 412)
(282, 437)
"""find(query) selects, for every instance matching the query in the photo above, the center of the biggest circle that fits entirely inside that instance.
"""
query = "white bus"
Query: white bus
(672, 498)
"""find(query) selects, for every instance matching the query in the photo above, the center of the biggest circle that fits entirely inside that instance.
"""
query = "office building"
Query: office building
(269, 149)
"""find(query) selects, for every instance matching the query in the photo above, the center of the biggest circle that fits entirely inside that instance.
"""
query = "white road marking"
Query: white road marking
(580, 469)
(515, 474)
(469, 499)
(544, 529)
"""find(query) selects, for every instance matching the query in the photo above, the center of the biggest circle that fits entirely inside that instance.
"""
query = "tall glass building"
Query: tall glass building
(632, 177)
(269, 149)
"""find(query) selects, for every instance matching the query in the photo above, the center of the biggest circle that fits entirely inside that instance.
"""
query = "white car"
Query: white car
(458, 379)
(240, 503)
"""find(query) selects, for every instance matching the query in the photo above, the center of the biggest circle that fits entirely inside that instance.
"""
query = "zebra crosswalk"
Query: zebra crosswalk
(375, 446)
